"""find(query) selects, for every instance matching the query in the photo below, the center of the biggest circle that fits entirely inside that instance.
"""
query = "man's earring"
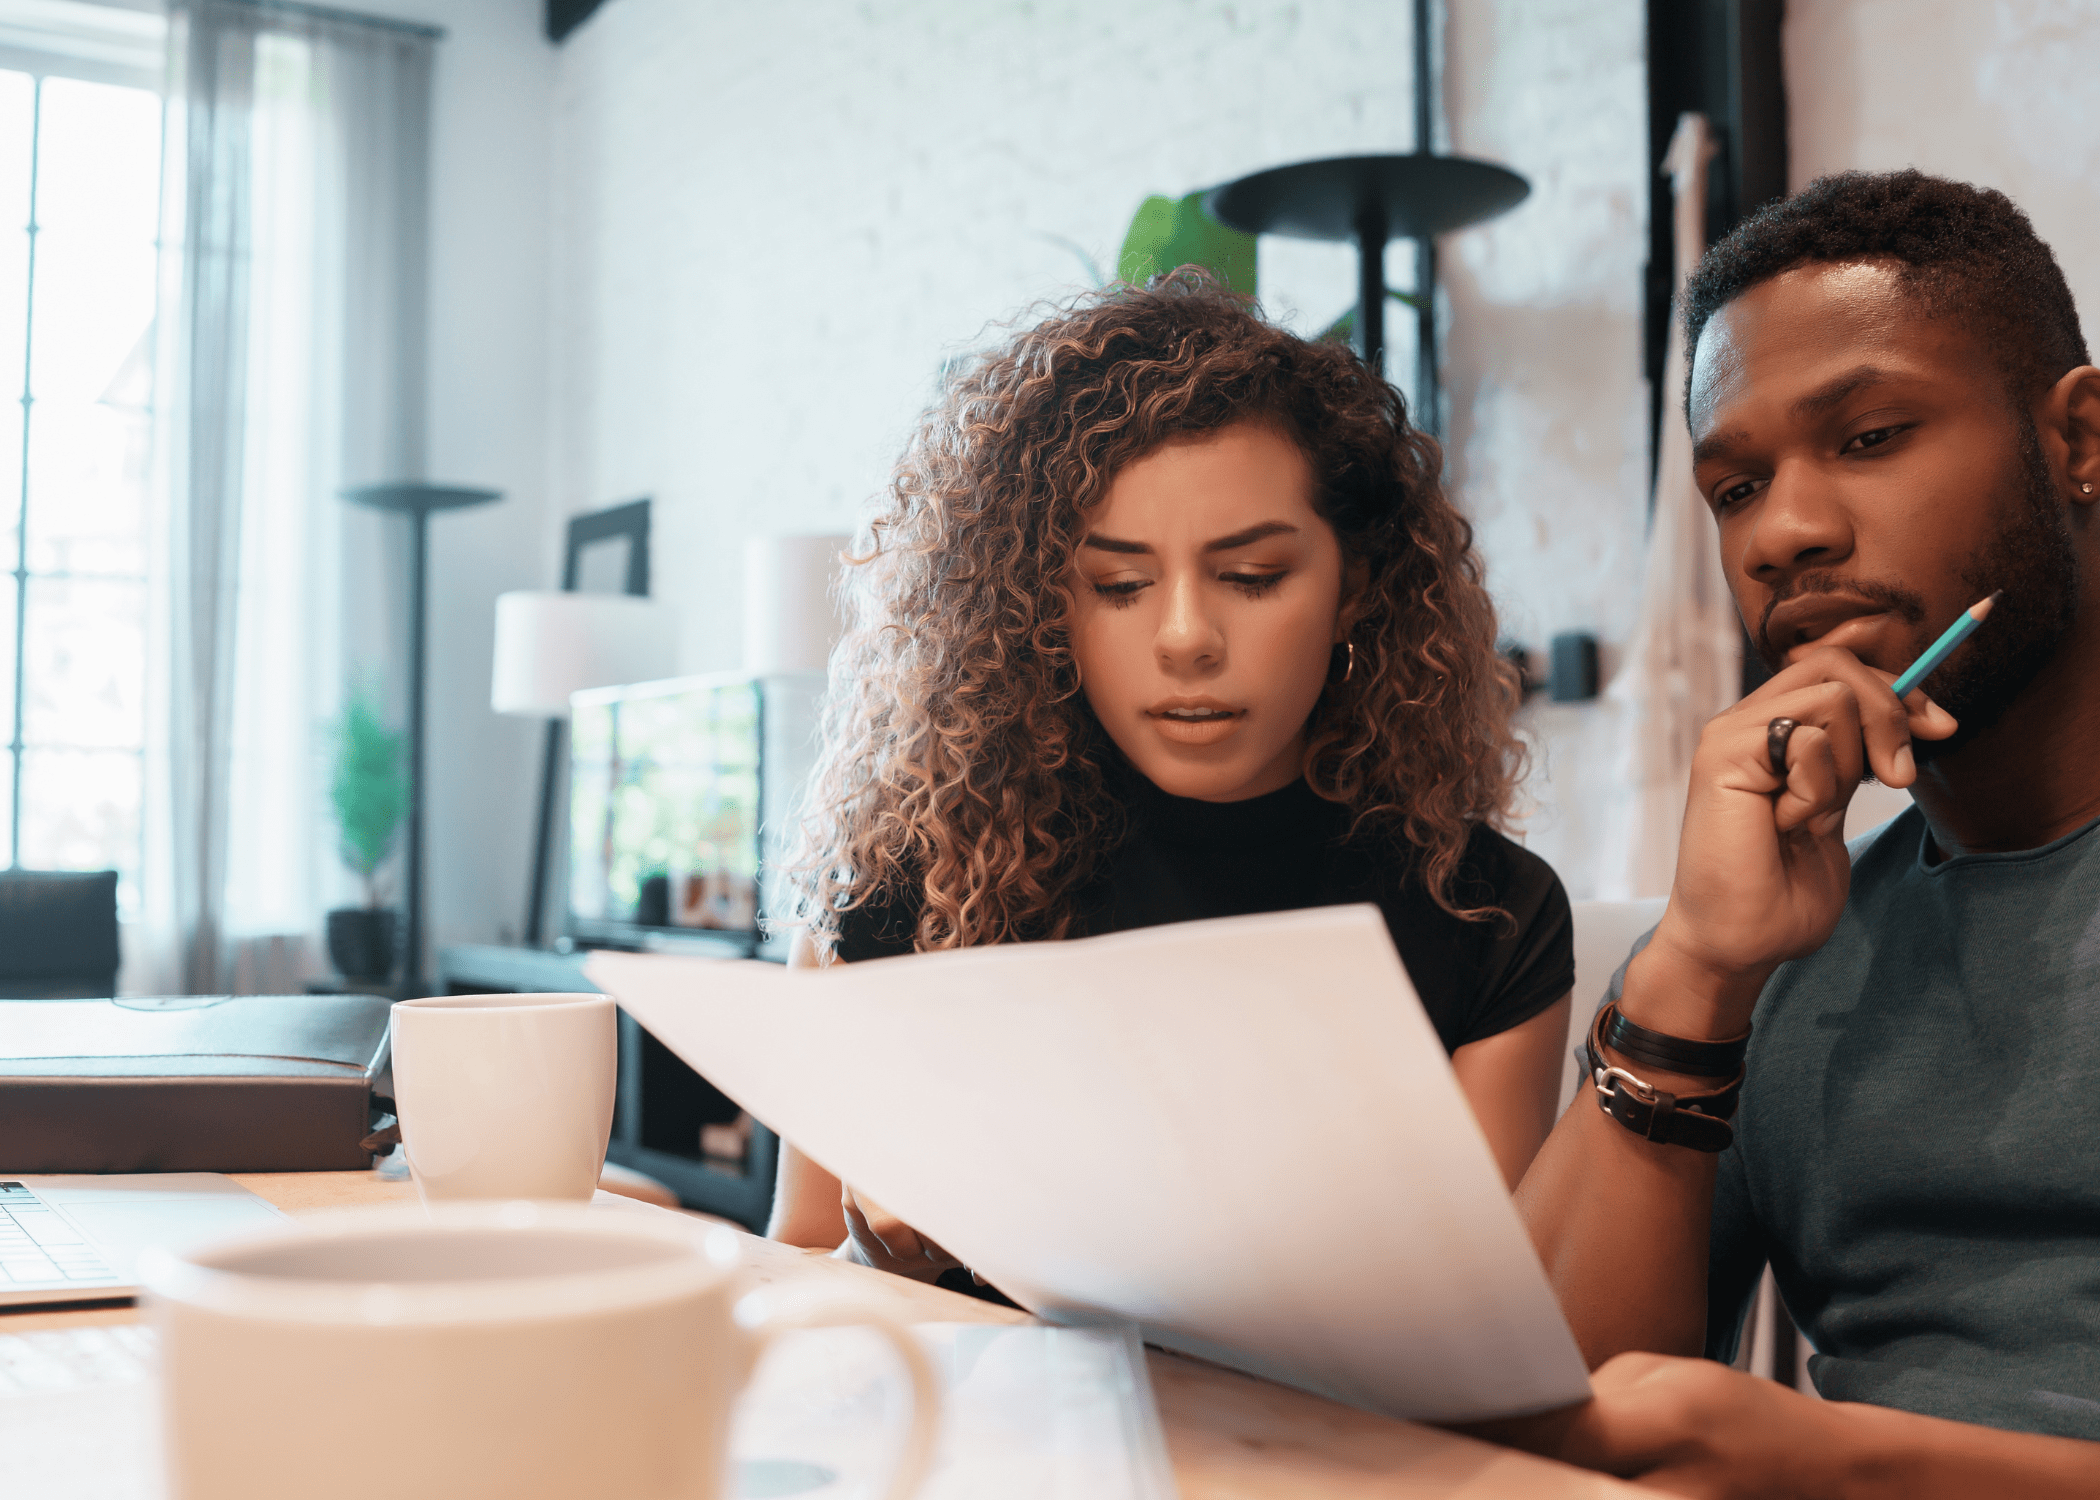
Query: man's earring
(2085, 489)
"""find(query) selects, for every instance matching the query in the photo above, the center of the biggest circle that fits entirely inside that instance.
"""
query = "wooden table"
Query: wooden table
(1231, 1436)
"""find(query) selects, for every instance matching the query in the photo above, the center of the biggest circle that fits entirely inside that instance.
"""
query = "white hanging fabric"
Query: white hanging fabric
(294, 248)
(1683, 664)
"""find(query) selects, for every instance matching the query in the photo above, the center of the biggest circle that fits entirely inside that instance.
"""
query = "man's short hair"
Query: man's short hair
(1966, 251)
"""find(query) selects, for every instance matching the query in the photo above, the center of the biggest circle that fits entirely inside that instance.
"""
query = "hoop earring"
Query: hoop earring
(1348, 663)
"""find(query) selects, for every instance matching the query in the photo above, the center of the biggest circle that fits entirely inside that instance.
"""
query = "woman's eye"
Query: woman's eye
(1121, 592)
(1256, 584)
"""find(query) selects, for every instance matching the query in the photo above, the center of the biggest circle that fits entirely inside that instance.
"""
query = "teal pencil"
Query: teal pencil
(1943, 648)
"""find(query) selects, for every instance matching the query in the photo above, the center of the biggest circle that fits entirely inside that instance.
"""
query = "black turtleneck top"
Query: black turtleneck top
(1184, 860)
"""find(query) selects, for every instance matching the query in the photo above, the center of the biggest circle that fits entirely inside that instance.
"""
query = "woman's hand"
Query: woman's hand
(1762, 871)
(876, 1237)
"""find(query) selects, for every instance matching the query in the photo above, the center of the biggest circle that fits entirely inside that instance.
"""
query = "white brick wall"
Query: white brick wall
(1998, 94)
(1548, 406)
(773, 222)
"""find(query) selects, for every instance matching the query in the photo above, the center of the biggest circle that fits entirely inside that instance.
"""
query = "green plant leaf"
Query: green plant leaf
(369, 789)
(1170, 232)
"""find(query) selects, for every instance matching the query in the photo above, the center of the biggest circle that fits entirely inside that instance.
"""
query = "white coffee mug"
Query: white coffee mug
(505, 1096)
(519, 1351)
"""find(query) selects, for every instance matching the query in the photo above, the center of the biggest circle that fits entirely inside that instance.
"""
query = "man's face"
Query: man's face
(1872, 479)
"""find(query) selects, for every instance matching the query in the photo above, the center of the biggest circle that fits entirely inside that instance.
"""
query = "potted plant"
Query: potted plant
(370, 793)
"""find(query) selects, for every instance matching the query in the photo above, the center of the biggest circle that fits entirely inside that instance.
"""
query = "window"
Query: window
(79, 204)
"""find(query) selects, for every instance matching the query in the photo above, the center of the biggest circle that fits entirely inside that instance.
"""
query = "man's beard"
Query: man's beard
(2035, 561)
(2032, 558)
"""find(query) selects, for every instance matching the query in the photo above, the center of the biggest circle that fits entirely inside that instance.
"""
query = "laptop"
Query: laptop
(78, 1238)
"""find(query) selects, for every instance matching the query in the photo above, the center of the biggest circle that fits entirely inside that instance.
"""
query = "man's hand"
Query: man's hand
(1693, 1428)
(876, 1237)
(1761, 869)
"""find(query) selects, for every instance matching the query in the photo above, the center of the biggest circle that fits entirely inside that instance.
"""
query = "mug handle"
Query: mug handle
(762, 1322)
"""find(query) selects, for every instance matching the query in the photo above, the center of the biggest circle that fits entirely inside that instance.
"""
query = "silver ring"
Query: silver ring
(1777, 733)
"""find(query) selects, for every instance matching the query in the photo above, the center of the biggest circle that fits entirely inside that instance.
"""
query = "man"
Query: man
(1893, 416)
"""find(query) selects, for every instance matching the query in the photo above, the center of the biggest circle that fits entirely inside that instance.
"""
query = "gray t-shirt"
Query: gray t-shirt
(1918, 1149)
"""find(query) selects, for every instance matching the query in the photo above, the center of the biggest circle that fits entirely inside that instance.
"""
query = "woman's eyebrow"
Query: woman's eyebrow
(1255, 533)
(1102, 543)
(1251, 534)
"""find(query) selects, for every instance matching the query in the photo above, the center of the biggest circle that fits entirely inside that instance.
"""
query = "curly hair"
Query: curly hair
(962, 775)
(1966, 252)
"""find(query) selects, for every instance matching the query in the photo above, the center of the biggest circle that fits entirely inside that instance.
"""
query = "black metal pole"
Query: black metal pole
(1428, 412)
(1428, 403)
(412, 883)
(1425, 87)
(543, 839)
(1370, 285)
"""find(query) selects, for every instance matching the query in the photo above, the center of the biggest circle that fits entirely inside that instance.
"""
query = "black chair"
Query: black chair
(58, 934)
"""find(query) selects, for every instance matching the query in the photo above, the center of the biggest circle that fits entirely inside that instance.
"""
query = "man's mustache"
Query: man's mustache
(1897, 600)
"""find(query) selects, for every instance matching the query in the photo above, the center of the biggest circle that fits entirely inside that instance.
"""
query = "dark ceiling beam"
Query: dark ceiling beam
(1721, 59)
(564, 16)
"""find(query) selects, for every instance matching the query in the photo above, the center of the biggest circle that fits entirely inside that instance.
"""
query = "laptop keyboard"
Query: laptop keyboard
(37, 1246)
(73, 1359)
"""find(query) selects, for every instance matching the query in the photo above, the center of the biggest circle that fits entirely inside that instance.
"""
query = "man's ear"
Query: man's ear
(2072, 410)
(1356, 578)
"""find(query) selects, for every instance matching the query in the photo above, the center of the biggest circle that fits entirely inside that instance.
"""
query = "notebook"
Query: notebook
(1029, 1413)
(190, 1083)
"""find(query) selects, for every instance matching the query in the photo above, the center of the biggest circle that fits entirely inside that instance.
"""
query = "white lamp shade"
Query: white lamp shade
(551, 645)
(791, 619)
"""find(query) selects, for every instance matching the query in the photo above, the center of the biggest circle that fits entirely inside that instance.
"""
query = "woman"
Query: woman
(1166, 617)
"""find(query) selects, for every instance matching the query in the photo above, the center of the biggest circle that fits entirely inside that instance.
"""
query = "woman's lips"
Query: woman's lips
(1203, 731)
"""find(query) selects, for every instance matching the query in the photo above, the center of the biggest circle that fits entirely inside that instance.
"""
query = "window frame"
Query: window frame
(119, 43)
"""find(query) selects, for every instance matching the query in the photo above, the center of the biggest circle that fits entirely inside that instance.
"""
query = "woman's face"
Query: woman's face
(1207, 600)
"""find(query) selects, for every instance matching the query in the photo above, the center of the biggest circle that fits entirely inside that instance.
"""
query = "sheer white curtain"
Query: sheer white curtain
(294, 245)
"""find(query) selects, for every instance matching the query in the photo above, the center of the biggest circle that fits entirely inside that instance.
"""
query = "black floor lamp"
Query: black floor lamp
(416, 501)
(1373, 199)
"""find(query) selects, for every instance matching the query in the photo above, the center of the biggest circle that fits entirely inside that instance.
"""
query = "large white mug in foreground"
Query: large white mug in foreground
(519, 1351)
(505, 1096)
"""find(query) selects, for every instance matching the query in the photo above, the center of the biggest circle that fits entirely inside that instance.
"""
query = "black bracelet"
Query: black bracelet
(1657, 1049)
(1698, 1121)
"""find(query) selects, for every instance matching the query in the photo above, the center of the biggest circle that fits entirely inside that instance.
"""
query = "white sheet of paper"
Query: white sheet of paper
(1242, 1135)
